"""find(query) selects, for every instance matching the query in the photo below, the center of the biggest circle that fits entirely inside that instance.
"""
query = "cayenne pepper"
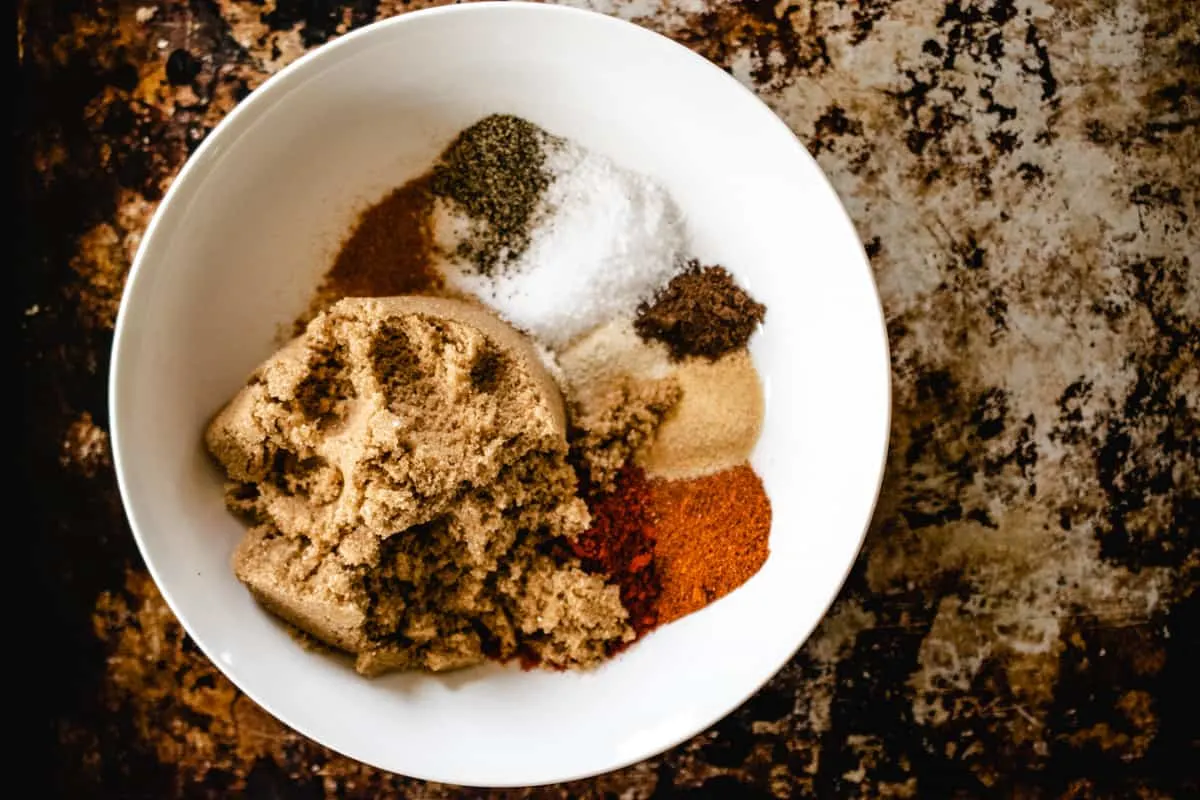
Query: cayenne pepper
(710, 536)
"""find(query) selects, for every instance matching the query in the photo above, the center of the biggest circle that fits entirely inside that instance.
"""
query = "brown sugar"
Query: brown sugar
(710, 536)
(403, 465)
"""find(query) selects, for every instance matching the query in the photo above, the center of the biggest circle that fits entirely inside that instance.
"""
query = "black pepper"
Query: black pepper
(496, 172)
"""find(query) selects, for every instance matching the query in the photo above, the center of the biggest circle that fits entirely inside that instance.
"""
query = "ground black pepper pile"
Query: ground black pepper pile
(701, 312)
(496, 172)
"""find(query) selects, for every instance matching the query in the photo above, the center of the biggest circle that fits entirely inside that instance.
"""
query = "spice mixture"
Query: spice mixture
(427, 487)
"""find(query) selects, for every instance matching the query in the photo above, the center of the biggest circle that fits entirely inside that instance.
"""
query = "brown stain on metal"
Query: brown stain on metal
(188, 714)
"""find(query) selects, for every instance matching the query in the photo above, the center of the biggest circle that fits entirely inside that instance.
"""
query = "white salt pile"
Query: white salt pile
(602, 240)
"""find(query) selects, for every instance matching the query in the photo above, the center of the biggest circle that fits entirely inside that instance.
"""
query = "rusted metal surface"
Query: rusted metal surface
(1022, 620)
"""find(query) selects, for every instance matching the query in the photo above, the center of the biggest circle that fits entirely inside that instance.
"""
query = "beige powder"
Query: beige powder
(620, 389)
(403, 464)
(610, 354)
(715, 423)
(679, 419)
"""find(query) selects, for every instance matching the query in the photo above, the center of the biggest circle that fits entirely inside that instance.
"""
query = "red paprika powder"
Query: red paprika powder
(618, 545)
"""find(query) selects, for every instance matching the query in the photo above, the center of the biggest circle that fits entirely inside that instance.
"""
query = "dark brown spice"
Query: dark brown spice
(388, 253)
(495, 170)
(701, 312)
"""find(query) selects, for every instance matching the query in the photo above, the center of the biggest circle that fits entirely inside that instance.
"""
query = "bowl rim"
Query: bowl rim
(258, 99)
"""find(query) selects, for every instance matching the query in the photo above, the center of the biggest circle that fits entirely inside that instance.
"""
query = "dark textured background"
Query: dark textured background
(1023, 619)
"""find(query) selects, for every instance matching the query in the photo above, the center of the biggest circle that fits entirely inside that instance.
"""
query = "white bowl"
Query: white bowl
(250, 224)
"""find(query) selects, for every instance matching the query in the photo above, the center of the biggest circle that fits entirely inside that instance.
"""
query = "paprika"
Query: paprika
(618, 545)
(710, 536)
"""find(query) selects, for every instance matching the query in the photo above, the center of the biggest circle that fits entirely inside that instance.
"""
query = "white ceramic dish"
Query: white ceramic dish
(241, 239)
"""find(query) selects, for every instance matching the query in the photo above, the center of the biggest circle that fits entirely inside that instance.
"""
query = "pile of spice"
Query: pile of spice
(494, 174)
(387, 254)
(649, 348)
(702, 312)
(710, 536)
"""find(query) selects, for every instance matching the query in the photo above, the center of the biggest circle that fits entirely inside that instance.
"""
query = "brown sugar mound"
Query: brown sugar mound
(403, 464)
(620, 390)
(701, 312)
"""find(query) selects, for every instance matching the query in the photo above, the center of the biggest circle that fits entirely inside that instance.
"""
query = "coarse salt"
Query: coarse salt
(605, 239)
